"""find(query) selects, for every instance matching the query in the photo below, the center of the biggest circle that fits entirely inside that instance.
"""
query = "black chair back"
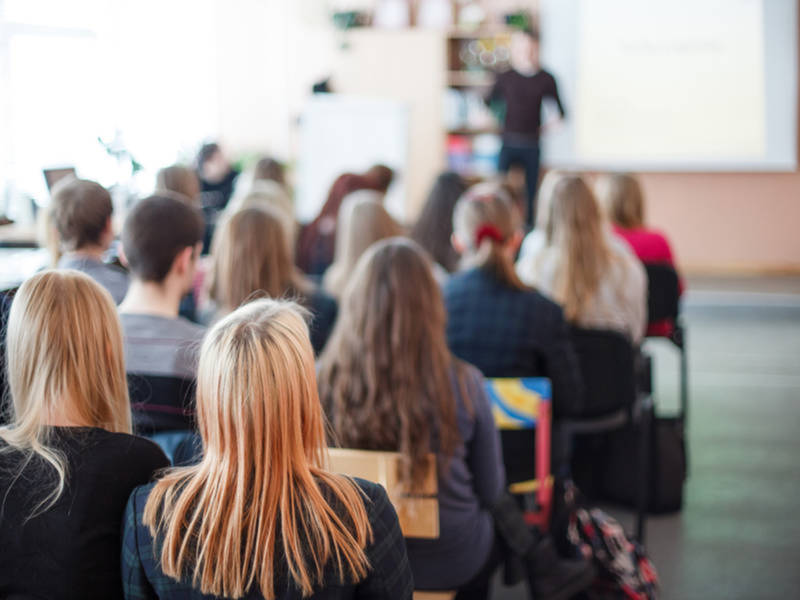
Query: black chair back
(663, 295)
(607, 365)
(161, 403)
(6, 296)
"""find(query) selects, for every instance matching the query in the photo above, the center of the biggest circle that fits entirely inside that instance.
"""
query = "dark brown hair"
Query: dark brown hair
(81, 210)
(269, 169)
(156, 231)
(434, 227)
(386, 375)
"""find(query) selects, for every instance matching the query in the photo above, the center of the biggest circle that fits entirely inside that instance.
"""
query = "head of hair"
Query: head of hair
(156, 230)
(269, 169)
(318, 237)
(65, 357)
(259, 494)
(380, 177)
(251, 256)
(206, 151)
(362, 221)
(484, 222)
(81, 210)
(576, 231)
(621, 196)
(434, 227)
(179, 179)
(268, 194)
(385, 374)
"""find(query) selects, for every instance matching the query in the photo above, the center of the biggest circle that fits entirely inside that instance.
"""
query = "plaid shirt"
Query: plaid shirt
(389, 577)
(507, 332)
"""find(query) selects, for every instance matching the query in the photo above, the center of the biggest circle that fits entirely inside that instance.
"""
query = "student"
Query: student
(599, 283)
(180, 180)
(434, 227)
(259, 516)
(388, 382)
(362, 221)
(621, 196)
(496, 322)
(161, 242)
(269, 169)
(251, 256)
(269, 194)
(317, 240)
(217, 177)
(81, 212)
(67, 461)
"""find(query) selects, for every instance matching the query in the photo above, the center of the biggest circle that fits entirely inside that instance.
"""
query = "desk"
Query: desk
(17, 264)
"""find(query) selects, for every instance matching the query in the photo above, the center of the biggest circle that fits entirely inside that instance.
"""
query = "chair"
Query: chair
(522, 410)
(613, 402)
(6, 296)
(162, 407)
(417, 512)
(663, 310)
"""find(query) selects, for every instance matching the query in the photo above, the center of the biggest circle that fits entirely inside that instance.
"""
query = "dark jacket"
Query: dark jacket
(389, 577)
(507, 332)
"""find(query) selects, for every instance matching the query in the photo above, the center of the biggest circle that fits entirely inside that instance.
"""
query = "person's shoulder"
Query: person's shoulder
(321, 300)
(134, 448)
(189, 329)
(544, 73)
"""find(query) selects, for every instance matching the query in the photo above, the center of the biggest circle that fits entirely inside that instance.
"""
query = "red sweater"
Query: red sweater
(652, 248)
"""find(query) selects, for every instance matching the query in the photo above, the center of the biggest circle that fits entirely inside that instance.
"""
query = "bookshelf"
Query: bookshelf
(474, 57)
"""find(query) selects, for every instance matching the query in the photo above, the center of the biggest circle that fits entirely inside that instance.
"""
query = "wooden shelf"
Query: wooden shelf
(466, 78)
(474, 34)
(479, 131)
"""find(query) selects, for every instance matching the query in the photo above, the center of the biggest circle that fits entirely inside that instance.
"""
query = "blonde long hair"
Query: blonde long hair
(484, 221)
(251, 255)
(362, 221)
(65, 357)
(576, 229)
(260, 493)
(621, 197)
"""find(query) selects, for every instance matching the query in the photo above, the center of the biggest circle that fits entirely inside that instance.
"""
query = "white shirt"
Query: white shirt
(620, 301)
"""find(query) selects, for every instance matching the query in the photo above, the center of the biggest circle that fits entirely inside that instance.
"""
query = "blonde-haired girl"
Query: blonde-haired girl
(67, 460)
(259, 516)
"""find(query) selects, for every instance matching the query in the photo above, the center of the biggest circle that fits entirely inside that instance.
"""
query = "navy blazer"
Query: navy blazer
(389, 577)
(507, 332)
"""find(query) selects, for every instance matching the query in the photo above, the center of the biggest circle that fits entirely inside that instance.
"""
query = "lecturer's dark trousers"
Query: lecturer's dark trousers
(527, 156)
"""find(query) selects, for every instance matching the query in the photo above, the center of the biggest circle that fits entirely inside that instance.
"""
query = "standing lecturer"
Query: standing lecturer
(522, 89)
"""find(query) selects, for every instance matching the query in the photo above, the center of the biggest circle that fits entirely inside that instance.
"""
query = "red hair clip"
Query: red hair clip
(487, 230)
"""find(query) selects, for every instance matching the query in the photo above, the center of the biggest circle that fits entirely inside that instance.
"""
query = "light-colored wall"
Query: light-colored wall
(728, 222)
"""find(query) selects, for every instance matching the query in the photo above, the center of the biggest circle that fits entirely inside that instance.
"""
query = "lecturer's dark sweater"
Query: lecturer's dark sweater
(70, 551)
(523, 96)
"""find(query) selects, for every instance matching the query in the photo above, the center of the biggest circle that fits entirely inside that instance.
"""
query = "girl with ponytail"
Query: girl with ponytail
(495, 321)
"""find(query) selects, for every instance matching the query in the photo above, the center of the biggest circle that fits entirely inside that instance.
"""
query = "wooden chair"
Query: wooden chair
(522, 410)
(417, 512)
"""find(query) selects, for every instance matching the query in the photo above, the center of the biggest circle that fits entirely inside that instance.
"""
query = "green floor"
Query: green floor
(738, 537)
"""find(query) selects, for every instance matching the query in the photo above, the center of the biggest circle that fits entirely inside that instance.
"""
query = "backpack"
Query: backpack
(624, 570)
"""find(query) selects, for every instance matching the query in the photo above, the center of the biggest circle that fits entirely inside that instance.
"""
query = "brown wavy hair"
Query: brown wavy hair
(386, 375)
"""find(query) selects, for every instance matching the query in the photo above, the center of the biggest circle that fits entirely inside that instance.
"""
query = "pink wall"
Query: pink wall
(728, 222)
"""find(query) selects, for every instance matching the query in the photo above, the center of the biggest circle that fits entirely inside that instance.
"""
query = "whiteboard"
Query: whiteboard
(339, 134)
